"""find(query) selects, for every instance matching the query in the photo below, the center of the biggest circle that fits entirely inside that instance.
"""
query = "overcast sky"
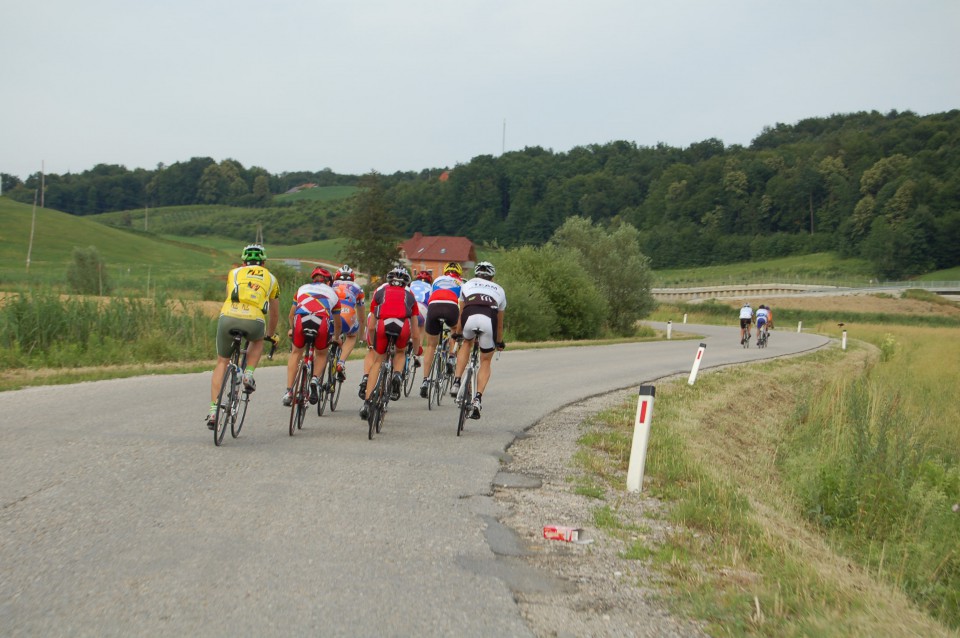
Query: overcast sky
(398, 85)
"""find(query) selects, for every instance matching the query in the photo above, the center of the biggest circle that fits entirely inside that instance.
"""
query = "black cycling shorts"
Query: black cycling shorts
(449, 312)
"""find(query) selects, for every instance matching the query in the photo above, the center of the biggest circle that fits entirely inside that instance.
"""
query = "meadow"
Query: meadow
(823, 500)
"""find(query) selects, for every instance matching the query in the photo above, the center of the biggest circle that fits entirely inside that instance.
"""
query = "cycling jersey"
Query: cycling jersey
(316, 299)
(746, 312)
(483, 292)
(392, 306)
(446, 289)
(249, 291)
(393, 302)
(421, 290)
(351, 295)
(763, 316)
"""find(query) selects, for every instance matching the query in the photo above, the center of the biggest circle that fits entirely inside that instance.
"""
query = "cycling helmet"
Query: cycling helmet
(485, 269)
(424, 275)
(346, 273)
(323, 273)
(398, 276)
(253, 253)
(453, 268)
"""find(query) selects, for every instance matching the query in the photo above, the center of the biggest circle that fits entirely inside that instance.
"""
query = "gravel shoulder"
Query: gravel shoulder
(606, 595)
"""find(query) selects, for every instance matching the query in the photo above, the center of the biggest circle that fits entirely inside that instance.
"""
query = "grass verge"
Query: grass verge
(731, 458)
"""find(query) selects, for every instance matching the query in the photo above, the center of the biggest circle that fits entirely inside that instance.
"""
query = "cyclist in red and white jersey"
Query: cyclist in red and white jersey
(351, 304)
(394, 310)
(482, 304)
(314, 306)
(444, 303)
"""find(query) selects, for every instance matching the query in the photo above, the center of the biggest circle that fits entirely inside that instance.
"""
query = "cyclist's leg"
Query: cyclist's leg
(487, 346)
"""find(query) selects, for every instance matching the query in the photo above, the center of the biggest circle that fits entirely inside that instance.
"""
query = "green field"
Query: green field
(819, 268)
(134, 259)
(319, 194)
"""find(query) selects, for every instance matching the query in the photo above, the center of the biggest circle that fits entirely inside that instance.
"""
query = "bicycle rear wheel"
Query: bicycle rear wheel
(334, 391)
(298, 404)
(322, 393)
(438, 379)
(465, 399)
(409, 374)
(237, 424)
(224, 404)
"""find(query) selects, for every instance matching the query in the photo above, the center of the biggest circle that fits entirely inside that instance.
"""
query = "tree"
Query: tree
(616, 268)
(371, 231)
(549, 294)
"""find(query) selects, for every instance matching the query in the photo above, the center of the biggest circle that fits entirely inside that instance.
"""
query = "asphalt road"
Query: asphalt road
(119, 517)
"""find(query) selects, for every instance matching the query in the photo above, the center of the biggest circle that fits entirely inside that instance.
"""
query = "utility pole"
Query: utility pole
(33, 224)
(43, 187)
(503, 143)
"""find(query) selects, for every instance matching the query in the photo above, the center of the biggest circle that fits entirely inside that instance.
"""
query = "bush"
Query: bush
(88, 275)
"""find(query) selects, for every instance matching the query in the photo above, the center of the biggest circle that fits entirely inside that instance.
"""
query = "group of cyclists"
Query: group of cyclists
(763, 318)
(328, 309)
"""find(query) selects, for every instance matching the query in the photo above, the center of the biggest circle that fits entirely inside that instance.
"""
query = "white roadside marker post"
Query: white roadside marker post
(843, 342)
(799, 326)
(669, 328)
(696, 364)
(641, 435)
(684, 317)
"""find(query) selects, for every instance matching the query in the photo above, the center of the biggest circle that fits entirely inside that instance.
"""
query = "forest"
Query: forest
(885, 187)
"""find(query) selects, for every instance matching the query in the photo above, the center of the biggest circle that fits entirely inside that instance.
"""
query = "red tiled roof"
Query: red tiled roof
(439, 248)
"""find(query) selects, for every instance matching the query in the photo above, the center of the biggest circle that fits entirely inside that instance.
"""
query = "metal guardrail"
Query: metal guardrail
(743, 291)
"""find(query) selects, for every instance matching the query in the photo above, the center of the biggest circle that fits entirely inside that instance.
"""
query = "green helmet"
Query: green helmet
(254, 252)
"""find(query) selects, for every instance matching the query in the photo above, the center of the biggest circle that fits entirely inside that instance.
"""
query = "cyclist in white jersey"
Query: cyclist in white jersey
(482, 303)
(763, 318)
(746, 318)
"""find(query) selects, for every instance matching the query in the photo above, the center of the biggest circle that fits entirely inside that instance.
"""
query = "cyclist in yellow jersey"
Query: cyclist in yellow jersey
(251, 307)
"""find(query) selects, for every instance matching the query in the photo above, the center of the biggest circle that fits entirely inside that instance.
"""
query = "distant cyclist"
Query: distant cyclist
(252, 308)
(482, 303)
(317, 307)
(443, 304)
(746, 318)
(351, 307)
(763, 319)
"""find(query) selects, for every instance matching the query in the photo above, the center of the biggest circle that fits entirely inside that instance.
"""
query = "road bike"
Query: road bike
(380, 397)
(300, 391)
(468, 384)
(745, 339)
(233, 400)
(441, 374)
(762, 337)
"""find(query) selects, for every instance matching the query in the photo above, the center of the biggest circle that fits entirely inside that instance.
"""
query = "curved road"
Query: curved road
(119, 517)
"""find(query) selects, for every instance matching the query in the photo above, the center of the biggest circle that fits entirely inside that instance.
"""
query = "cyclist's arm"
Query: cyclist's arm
(274, 316)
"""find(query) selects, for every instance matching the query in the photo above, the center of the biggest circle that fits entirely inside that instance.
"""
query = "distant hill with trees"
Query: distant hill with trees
(885, 187)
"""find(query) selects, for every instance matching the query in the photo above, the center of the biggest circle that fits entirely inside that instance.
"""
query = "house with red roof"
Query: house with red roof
(421, 252)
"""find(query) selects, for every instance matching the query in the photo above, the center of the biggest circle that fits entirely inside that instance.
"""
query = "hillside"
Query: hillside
(132, 257)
